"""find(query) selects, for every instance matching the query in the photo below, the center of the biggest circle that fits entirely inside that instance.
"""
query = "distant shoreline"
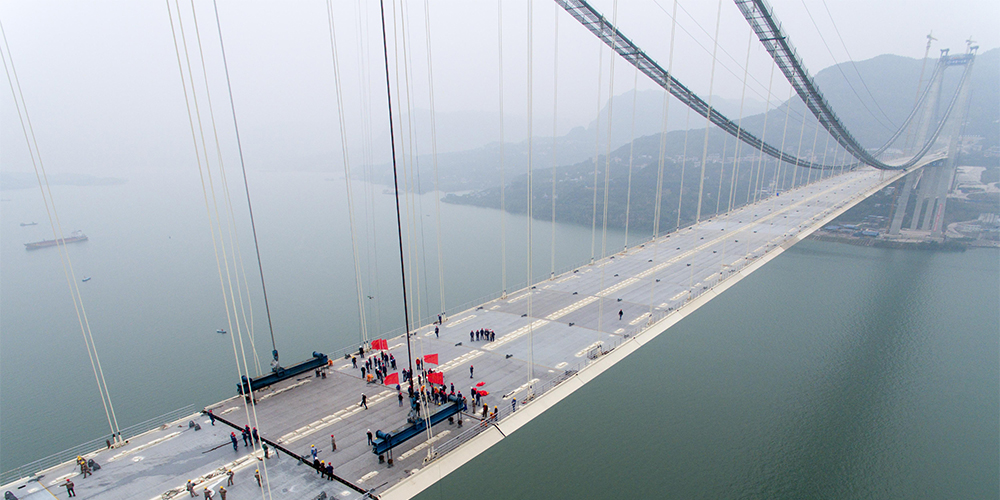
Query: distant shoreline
(10, 181)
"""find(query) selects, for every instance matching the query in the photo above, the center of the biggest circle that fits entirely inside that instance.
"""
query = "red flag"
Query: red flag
(392, 379)
(382, 344)
(431, 358)
(435, 378)
(480, 384)
(484, 393)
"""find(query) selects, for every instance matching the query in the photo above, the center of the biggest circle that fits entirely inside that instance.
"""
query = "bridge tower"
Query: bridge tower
(935, 181)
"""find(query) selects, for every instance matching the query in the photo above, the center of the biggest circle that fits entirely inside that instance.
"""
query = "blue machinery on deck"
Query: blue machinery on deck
(319, 359)
(385, 441)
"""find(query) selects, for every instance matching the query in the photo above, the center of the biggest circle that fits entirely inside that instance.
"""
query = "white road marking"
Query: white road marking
(516, 334)
(144, 446)
(585, 350)
(455, 363)
(570, 308)
(307, 430)
(279, 391)
(424, 445)
(519, 389)
(638, 320)
(457, 322)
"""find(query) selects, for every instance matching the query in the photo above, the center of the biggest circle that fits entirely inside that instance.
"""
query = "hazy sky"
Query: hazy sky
(101, 79)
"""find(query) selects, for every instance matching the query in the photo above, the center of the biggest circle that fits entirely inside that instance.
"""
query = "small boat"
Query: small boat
(86, 279)
(29, 224)
(220, 330)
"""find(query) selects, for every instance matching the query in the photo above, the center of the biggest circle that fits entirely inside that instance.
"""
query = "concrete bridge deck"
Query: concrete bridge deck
(575, 333)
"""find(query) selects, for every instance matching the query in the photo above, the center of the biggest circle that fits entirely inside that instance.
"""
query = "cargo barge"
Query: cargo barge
(75, 237)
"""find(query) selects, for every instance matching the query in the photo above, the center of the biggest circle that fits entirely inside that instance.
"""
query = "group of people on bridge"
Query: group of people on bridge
(482, 334)
(375, 367)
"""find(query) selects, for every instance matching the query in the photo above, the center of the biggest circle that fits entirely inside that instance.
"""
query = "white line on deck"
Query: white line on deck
(516, 333)
(570, 308)
(423, 445)
(460, 321)
(585, 350)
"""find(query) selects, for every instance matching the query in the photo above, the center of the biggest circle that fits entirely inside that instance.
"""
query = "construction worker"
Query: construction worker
(69, 488)
(256, 474)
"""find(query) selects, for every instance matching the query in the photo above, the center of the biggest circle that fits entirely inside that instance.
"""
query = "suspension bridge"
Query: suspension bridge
(550, 337)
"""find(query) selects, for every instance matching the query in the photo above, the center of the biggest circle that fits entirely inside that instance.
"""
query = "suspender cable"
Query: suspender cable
(416, 201)
(531, 359)
(244, 367)
(659, 174)
(812, 154)
(57, 233)
(395, 180)
(437, 198)
(684, 159)
(631, 151)
(722, 171)
(555, 123)
(782, 166)
(739, 124)
(826, 149)
(597, 150)
(364, 83)
(237, 256)
(410, 185)
(342, 122)
(607, 175)
(246, 186)
(607, 157)
(708, 120)
(239, 270)
(798, 152)
(760, 156)
(503, 209)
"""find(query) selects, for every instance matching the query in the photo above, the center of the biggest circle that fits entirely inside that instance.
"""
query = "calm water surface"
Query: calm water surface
(834, 372)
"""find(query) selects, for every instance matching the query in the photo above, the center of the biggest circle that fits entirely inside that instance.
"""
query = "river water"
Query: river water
(833, 372)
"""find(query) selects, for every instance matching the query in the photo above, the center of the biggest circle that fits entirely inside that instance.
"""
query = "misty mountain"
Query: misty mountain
(872, 113)
(739, 178)
(479, 167)
(456, 131)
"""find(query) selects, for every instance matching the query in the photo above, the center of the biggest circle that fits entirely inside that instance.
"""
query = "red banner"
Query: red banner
(436, 378)
(380, 344)
(431, 358)
(392, 379)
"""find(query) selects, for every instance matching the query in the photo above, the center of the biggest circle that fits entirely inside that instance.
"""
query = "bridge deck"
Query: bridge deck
(571, 315)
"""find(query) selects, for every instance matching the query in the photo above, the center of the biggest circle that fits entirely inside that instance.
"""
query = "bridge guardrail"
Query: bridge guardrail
(31, 468)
